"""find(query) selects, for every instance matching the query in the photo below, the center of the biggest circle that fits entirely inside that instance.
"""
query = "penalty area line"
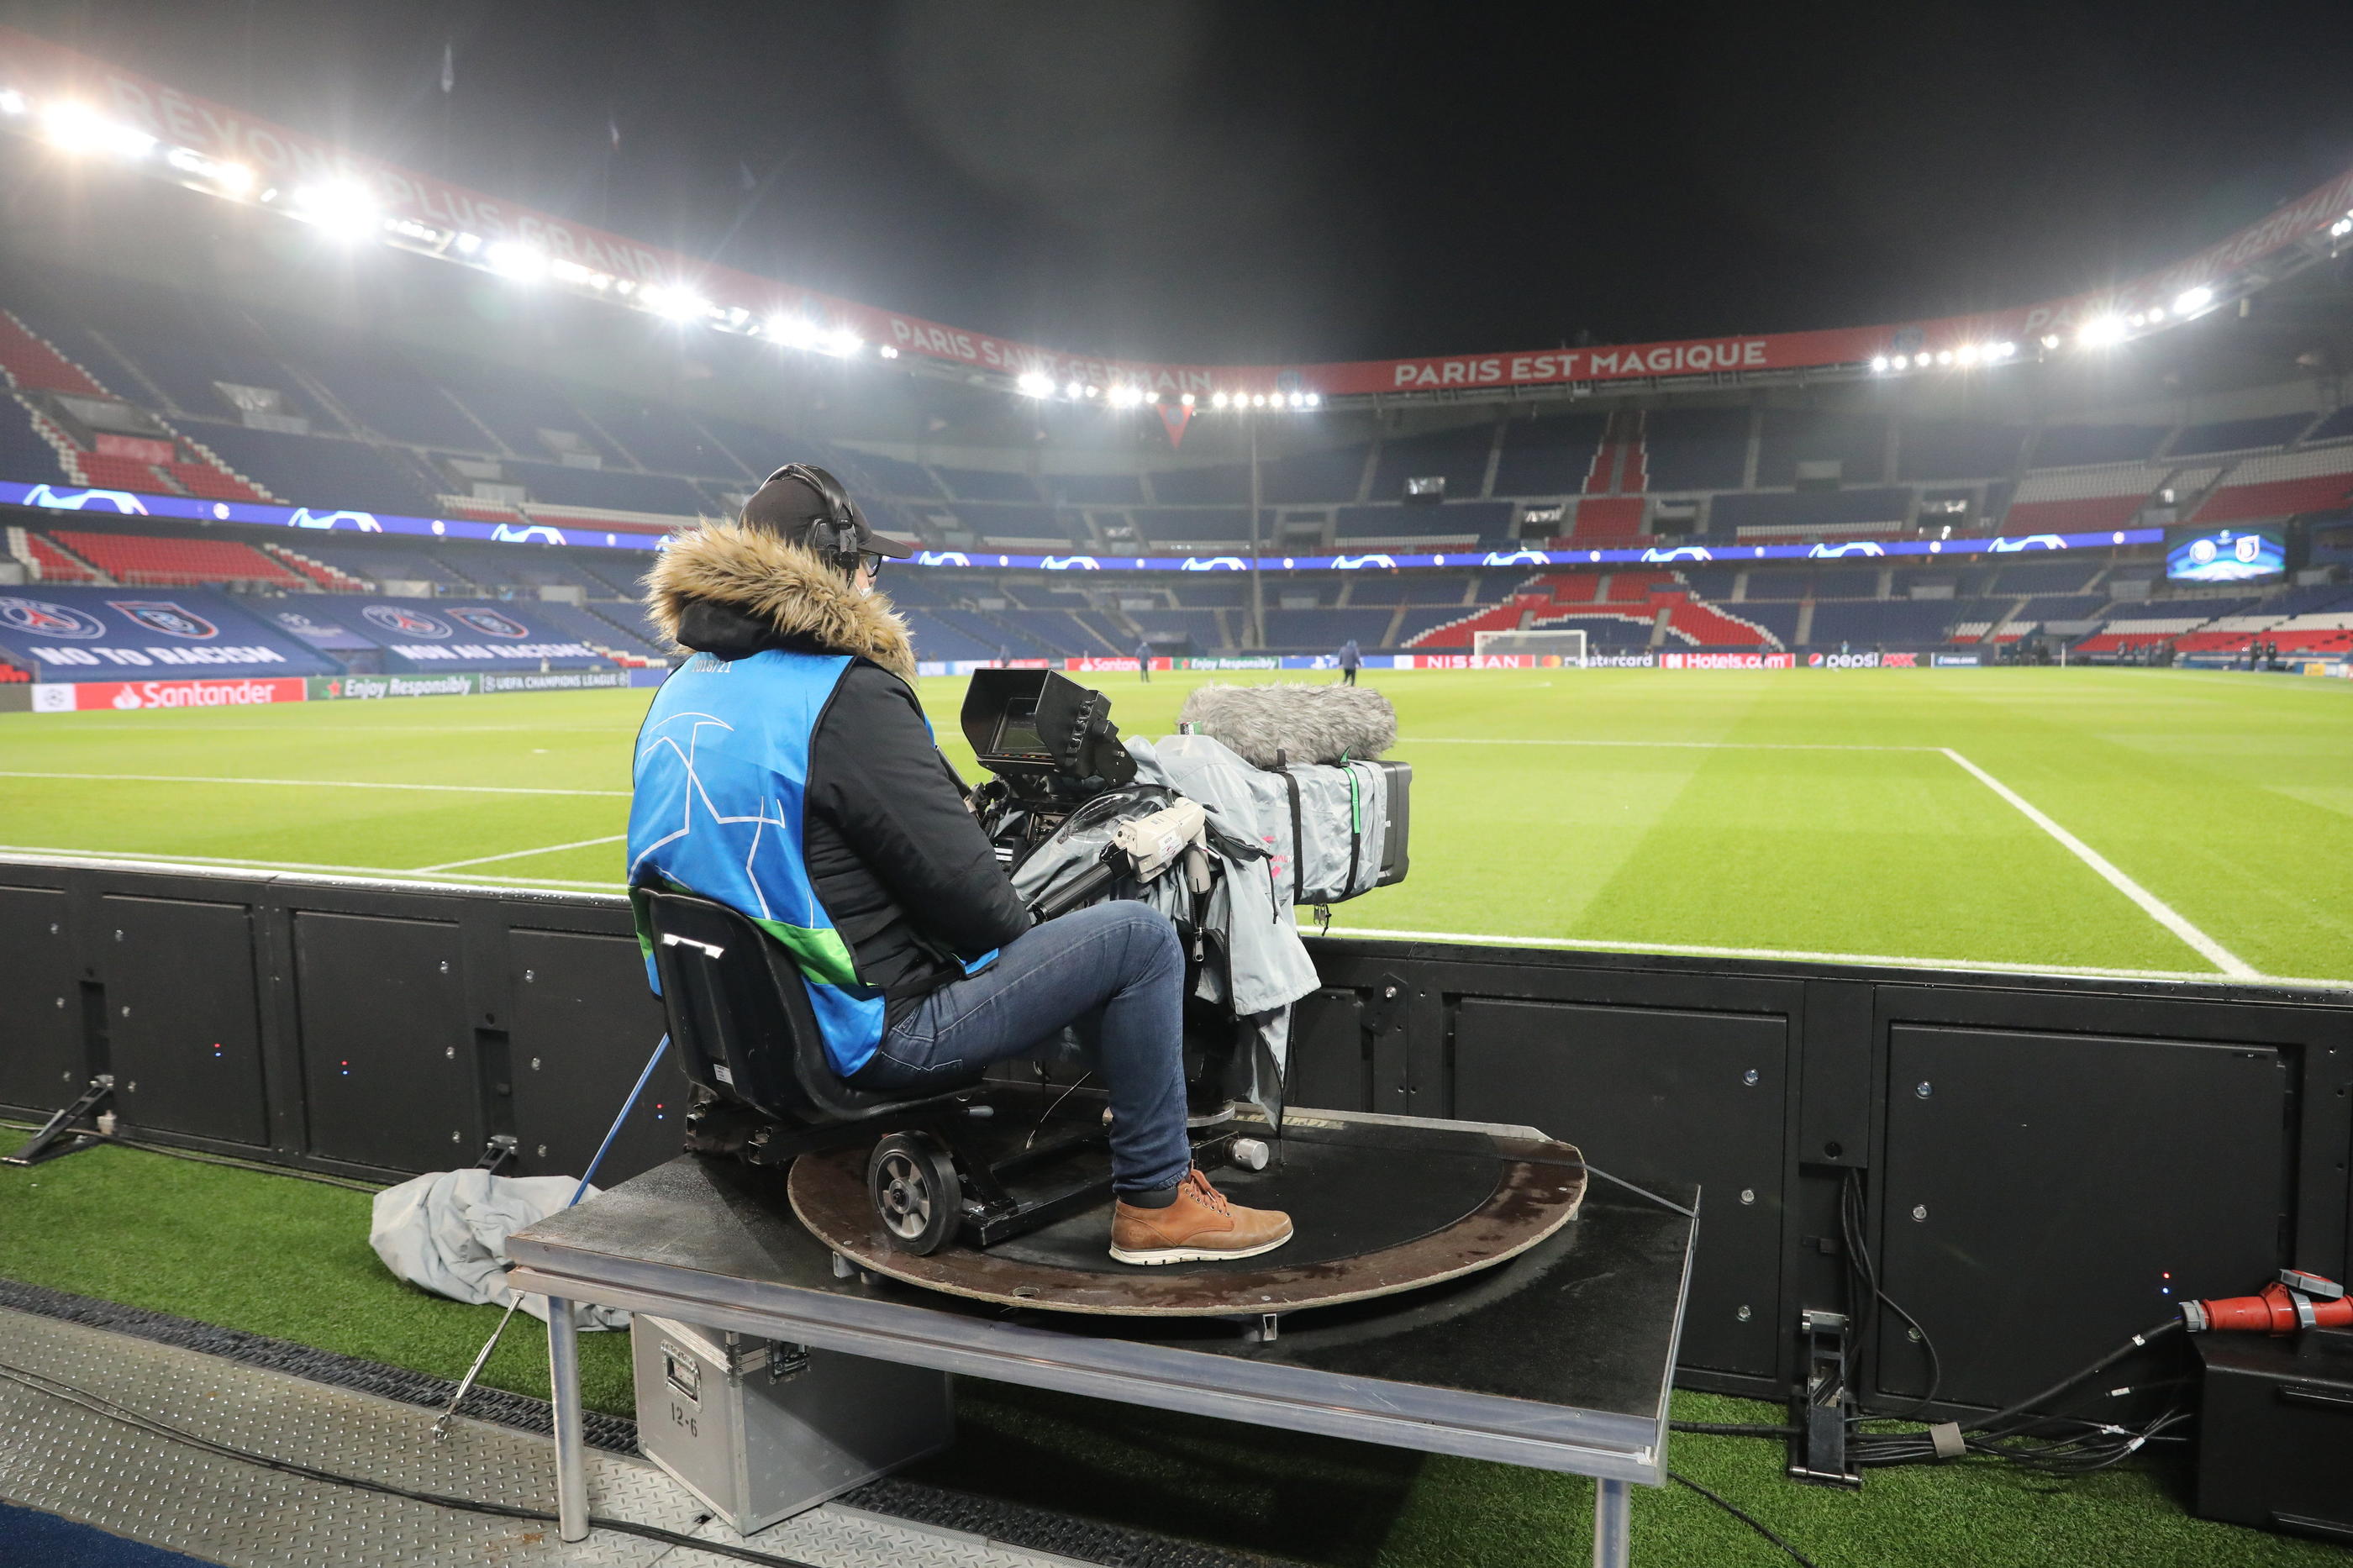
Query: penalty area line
(2157, 909)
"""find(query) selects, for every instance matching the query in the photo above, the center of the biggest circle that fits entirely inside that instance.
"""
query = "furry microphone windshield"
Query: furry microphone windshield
(1310, 724)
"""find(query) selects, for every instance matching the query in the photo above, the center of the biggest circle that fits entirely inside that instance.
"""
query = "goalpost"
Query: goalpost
(1568, 646)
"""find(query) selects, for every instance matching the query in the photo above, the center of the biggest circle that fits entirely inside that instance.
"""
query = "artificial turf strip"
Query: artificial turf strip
(1801, 810)
(278, 1255)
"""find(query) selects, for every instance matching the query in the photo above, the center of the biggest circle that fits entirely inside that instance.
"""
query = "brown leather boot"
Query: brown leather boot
(1200, 1227)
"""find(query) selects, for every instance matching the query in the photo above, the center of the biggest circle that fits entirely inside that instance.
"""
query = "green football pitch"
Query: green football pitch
(2144, 821)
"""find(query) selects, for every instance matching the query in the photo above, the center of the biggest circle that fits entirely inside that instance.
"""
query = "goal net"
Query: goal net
(1568, 646)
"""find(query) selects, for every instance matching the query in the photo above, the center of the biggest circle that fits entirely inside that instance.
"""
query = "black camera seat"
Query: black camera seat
(739, 1014)
(766, 1092)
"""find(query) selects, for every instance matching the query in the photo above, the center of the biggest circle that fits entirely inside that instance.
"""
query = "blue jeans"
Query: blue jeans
(1115, 972)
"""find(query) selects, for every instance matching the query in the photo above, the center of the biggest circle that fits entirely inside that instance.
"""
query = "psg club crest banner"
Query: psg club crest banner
(171, 620)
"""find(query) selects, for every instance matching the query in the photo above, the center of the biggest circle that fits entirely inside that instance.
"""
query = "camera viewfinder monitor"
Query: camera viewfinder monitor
(2225, 554)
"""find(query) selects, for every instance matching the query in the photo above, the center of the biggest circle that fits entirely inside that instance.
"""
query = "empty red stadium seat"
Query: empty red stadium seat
(176, 563)
(38, 366)
(56, 566)
(121, 474)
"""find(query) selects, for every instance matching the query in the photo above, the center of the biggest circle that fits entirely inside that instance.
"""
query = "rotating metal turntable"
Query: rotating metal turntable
(1380, 1206)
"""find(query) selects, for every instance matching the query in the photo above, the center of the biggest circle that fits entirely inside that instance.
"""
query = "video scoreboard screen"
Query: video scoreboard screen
(2225, 554)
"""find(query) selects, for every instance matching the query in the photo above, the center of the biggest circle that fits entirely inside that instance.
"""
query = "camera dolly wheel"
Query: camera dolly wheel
(912, 1183)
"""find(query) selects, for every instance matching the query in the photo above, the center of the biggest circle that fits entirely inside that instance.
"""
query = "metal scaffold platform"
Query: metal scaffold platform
(64, 1458)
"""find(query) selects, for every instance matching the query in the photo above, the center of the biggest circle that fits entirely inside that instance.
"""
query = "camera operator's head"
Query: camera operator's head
(803, 505)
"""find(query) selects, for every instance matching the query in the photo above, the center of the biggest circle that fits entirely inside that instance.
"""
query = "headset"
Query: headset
(833, 536)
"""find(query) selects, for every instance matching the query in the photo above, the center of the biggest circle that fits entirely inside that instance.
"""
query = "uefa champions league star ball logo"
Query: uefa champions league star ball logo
(44, 619)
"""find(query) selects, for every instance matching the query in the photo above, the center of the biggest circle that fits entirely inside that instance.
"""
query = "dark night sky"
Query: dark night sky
(1297, 181)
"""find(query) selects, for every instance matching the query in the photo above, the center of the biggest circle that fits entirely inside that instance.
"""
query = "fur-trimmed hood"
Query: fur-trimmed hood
(779, 587)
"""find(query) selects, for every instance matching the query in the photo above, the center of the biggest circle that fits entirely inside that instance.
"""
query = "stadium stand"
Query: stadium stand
(2079, 499)
(27, 456)
(47, 561)
(2078, 445)
(140, 561)
(1333, 476)
(2281, 486)
(1098, 489)
(1856, 444)
(1957, 450)
(325, 472)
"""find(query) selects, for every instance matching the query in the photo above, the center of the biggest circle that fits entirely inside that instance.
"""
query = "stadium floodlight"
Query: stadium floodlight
(1966, 354)
(1315, 400)
(1035, 383)
(2002, 350)
(11, 103)
(1219, 401)
(1073, 391)
(1879, 364)
(887, 351)
(1188, 399)
(2189, 301)
(1257, 400)
(1943, 356)
(673, 303)
(78, 128)
(1299, 400)
(343, 207)
(2050, 340)
(2101, 330)
(511, 258)
(843, 343)
(1152, 398)
(1902, 361)
(1094, 392)
(2341, 227)
(236, 179)
(466, 244)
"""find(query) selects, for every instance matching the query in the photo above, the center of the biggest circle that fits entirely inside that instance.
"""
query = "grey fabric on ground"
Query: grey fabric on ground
(447, 1231)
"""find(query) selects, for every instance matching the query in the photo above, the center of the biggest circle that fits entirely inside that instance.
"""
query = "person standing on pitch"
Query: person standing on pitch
(1144, 660)
(787, 771)
(1350, 660)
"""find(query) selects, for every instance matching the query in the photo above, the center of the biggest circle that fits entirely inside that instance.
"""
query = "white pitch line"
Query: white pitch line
(2157, 909)
(239, 863)
(1688, 950)
(1682, 745)
(521, 853)
(313, 783)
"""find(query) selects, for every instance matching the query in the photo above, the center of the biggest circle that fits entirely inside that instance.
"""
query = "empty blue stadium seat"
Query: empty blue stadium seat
(2335, 427)
(392, 400)
(616, 488)
(2237, 435)
(986, 484)
(1957, 450)
(1191, 527)
(1799, 509)
(1323, 631)
(1858, 442)
(24, 457)
(1551, 455)
(1696, 448)
(328, 473)
(1229, 484)
(1457, 456)
(2073, 445)
(1313, 476)
(665, 440)
(1891, 623)
(519, 408)
(1096, 490)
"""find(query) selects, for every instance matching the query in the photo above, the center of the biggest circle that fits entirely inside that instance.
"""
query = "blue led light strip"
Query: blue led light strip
(124, 504)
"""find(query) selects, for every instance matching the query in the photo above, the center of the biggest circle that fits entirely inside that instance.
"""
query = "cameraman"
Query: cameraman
(787, 771)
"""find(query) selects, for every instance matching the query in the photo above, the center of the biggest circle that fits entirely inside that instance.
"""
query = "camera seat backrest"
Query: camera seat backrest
(739, 1014)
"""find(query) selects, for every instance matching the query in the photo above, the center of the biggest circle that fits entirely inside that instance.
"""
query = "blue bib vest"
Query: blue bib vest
(721, 772)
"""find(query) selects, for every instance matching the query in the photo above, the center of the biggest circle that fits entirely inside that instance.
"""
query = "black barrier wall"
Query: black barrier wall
(2049, 1163)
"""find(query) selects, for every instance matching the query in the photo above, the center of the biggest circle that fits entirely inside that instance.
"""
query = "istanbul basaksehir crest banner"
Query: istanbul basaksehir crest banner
(48, 75)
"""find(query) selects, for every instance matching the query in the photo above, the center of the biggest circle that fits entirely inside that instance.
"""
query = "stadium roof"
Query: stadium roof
(88, 108)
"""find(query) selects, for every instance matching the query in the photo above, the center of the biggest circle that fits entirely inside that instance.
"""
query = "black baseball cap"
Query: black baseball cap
(793, 500)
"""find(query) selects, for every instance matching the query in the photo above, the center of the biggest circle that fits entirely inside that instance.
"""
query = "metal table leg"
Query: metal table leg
(1613, 1523)
(564, 1385)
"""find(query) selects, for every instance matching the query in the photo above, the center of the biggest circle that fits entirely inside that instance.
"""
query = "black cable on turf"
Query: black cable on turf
(99, 1404)
(1751, 1520)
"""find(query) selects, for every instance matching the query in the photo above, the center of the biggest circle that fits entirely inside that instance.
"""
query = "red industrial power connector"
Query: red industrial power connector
(2293, 1302)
